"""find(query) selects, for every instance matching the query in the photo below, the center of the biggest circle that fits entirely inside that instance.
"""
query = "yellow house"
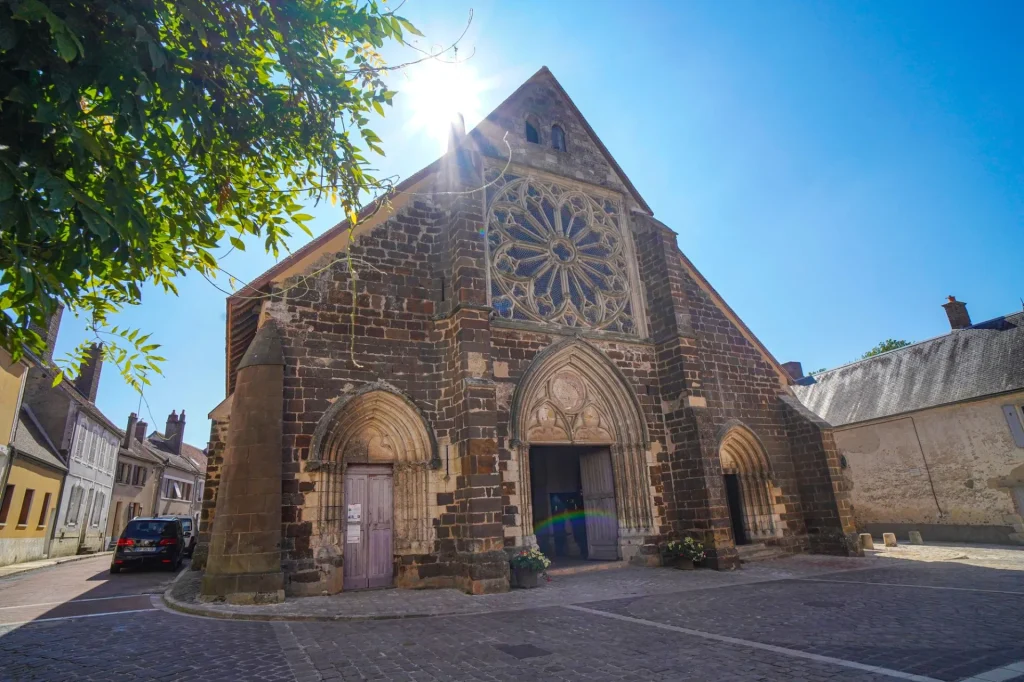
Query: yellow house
(12, 386)
(31, 492)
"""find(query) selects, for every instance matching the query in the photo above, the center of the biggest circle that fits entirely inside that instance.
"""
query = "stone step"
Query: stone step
(758, 551)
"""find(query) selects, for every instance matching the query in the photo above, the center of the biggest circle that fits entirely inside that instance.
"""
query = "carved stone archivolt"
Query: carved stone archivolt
(742, 454)
(559, 255)
(573, 395)
(375, 427)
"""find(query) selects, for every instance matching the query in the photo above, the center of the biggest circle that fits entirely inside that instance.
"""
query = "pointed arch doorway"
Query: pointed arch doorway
(581, 445)
(748, 486)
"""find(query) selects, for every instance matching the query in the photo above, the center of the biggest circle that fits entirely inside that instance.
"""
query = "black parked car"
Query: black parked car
(149, 542)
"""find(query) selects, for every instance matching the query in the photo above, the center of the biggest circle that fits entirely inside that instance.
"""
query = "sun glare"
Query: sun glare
(435, 92)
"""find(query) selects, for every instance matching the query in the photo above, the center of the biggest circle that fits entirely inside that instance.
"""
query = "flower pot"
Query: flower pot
(683, 564)
(525, 578)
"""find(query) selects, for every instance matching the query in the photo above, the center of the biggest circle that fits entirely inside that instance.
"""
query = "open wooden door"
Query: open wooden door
(368, 527)
(599, 505)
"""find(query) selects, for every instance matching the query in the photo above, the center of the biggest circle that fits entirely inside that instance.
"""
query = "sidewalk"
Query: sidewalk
(621, 582)
(14, 569)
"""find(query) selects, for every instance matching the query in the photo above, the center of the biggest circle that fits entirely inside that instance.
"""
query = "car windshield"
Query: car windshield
(150, 529)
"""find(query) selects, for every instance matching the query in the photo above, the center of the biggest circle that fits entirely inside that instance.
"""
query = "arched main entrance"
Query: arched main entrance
(372, 460)
(580, 440)
(748, 485)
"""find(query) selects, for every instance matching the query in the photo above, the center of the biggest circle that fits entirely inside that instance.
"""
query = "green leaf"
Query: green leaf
(66, 46)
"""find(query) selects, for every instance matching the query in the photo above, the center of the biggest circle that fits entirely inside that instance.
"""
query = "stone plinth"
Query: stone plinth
(915, 537)
(244, 563)
(866, 542)
(889, 539)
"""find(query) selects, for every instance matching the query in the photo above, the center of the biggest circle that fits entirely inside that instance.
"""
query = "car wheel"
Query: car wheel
(115, 569)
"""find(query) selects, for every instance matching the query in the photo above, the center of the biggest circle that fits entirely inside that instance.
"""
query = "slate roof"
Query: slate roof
(191, 459)
(30, 440)
(982, 360)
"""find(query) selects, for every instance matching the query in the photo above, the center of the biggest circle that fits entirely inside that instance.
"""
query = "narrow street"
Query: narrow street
(77, 589)
(925, 615)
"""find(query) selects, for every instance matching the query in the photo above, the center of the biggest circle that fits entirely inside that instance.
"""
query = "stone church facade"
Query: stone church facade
(523, 357)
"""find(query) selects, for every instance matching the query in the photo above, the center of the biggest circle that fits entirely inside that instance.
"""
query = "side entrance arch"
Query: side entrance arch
(580, 441)
(748, 485)
(371, 458)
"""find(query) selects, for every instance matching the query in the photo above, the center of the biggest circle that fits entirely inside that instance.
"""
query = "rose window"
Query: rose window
(557, 255)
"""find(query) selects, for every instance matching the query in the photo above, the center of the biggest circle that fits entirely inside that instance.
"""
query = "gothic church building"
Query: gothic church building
(524, 358)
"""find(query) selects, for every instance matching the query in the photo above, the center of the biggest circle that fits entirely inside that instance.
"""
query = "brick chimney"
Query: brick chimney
(140, 431)
(49, 333)
(129, 433)
(956, 311)
(175, 431)
(88, 381)
(794, 369)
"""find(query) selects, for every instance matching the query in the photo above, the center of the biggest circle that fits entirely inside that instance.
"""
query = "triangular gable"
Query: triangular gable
(510, 115)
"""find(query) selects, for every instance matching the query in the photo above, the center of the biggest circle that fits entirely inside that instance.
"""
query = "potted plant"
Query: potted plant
(526, 565)
(683, 554)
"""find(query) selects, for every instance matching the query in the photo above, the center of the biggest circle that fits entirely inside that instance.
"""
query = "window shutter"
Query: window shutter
(1016, 428)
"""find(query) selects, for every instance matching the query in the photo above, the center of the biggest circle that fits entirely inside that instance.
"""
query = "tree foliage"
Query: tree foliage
(136, 136)
(887, 345)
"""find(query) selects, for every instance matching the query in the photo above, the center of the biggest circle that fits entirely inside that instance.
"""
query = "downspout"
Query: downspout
(927, 471)
(56, 515)
(159, 488)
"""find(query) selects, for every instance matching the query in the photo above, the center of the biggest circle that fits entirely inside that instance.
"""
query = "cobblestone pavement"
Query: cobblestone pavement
(914, 620)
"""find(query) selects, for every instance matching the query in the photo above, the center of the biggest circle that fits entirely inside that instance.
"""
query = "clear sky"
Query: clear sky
(833, 169)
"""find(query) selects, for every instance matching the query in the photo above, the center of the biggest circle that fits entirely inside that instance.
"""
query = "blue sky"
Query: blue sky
(834, 169)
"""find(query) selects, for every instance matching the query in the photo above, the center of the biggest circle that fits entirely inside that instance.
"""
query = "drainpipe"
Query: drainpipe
(924, 459)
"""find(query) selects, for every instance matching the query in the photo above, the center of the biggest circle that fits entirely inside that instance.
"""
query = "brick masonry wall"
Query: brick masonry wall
(822, 487)
(419, 321)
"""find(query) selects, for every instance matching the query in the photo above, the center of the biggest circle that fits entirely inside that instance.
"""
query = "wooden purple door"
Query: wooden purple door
(368, 527)
(599, 505)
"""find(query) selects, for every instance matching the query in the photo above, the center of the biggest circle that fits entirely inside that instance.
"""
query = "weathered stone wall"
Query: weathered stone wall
(957, 470)
(823, 491)
(420, 326)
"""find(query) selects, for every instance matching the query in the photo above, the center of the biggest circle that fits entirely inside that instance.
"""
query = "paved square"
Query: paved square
(938, 616)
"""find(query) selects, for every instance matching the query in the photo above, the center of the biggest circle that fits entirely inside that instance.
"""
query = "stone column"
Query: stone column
(244, 564)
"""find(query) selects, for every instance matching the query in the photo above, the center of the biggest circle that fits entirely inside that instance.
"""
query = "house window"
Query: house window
(531, 133)
(122, 472)
(26, 507)
(97, 510)
(5, 506)
(175, 489)
(139, 475)
(44, 510)
(74, 506)
(558, 138)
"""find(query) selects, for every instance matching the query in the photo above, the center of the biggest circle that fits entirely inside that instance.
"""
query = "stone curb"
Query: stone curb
(212, 611)
(52, 562)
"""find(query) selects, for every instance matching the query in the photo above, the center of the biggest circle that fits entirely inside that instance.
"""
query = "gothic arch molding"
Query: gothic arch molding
(376, 408)
(374, 425)
(744, 456)
(572, 394)
(604, 385)
(740, 450)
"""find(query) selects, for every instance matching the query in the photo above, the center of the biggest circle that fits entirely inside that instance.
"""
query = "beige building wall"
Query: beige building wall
(125, 494)
(12, 376)
(952, 472)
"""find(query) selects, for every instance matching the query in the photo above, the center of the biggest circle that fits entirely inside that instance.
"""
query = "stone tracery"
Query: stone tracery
(558, 255)
(573, 395)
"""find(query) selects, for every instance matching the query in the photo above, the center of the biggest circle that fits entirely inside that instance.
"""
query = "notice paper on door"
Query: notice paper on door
(352, 536)
(355, 513)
